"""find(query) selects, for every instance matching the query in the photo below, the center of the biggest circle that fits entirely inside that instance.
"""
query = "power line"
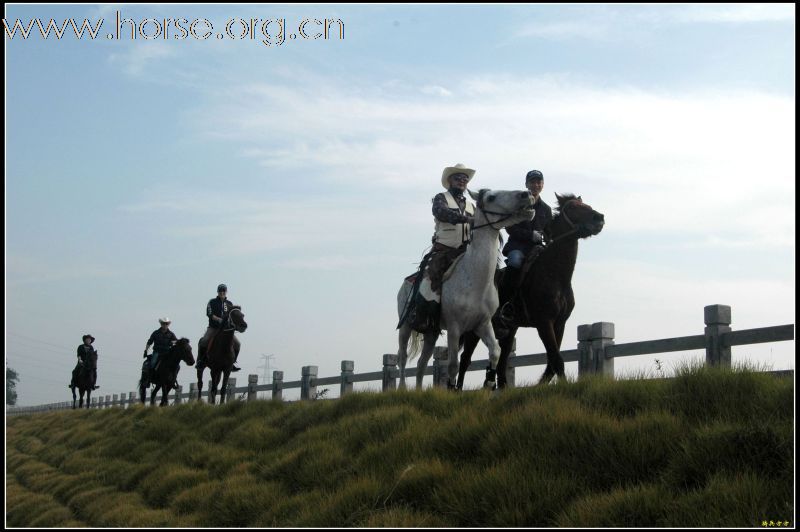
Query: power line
(266, 377)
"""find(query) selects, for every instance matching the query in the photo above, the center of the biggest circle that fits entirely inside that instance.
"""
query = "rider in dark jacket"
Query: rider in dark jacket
(217, 311)
(162, 339)
(523, 239)
(85, 350)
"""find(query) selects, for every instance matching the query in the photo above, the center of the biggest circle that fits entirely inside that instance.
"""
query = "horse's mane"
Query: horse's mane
(562, 200)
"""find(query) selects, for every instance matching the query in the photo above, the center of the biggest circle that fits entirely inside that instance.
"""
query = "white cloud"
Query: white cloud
(141, 55)
(699, 163)
(738, 13)
(436, 90)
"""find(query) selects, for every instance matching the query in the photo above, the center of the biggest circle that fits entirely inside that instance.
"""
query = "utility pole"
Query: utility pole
(266, 377)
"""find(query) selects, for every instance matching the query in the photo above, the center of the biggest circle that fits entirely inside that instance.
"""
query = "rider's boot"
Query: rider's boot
(236, 357)
(507, 292)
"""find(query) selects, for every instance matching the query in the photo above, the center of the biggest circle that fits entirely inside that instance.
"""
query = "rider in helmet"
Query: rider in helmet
(162, 339)
(84, 352)
(217, 311)
(524, 239)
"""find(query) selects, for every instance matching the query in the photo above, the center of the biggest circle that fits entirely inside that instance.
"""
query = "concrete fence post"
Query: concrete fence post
(252, 382)
(115, 400)
(132, 398)
(192, 391)
(277, 385)
(586, 364)
(440, 372)
(602, 336)
(229, 392)
(718, 320)
(348, 367)
(389, 373)
(308, 389)
(178, 392)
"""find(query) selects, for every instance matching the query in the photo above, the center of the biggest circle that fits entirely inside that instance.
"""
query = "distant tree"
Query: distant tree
(12, 377)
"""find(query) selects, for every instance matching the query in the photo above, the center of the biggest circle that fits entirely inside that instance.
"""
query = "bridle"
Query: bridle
(573, 227)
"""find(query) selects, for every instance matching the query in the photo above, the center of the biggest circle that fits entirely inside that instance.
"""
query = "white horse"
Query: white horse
(469, 296)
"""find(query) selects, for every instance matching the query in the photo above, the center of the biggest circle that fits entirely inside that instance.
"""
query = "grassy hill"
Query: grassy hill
(707, 448)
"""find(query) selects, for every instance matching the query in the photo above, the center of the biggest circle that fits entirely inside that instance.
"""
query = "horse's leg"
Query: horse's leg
(486, 333)
(453, 337)
(470, 343)
(428, 345)
(402, 352)
(200, 382)
(165, 389)
(212, 393)
(223, 393)
(74, 398)
(505, 350)
(555, 364)
(153, 394)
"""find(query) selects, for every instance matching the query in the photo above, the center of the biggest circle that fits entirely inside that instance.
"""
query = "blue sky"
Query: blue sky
(139, 175)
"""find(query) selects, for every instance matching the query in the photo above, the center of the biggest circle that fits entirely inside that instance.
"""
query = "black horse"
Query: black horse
(166, 372)
(220, 356)
(545, 299)
(82, 378)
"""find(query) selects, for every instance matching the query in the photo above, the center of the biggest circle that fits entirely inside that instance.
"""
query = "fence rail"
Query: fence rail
(595, 354)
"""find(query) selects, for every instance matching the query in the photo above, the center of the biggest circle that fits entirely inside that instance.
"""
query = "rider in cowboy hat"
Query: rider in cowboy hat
(162, 339)
(84, 350)
(217, 311)
(524, 239)
(453, 213)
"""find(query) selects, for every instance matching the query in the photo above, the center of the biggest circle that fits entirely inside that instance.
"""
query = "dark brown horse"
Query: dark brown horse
(545, 299)
(166, 373)
(82, 378)
(220, 355)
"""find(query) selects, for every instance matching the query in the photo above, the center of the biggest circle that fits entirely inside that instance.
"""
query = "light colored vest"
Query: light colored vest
(453, 235)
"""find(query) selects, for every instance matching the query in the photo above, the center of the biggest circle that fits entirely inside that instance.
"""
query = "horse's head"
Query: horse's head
(236, 318)
(579, 216)
(504, 207)
(183, 348)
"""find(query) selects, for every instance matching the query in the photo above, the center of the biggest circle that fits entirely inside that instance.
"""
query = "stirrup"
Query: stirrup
(506, 313)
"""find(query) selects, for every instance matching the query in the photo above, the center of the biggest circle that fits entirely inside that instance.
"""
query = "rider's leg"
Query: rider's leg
(511, 281)
(201, 348)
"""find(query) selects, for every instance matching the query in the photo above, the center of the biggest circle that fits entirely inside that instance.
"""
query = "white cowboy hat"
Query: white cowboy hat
(457, 169)
(164, 320)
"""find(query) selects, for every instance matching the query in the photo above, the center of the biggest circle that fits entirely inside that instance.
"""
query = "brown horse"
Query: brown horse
(545, 299)
(82, 379)
(220, 356)
(166, 373)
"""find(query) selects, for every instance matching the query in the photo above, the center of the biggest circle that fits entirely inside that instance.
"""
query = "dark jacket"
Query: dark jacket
(520, 236)
(219, 308)
(84, 351)
(162, 341)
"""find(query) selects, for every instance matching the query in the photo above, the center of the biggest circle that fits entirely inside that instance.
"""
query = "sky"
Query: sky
(141, 173)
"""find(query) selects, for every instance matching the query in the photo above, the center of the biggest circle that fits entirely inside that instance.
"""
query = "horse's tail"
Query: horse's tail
(415, 344)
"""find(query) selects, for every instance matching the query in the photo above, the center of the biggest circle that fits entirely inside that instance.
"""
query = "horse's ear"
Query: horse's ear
(473, 195)
(580, 199)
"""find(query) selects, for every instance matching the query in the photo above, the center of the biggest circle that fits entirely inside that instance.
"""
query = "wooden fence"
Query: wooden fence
(595, 354)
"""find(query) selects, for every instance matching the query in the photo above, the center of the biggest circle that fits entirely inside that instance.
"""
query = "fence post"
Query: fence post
(602, 335)
(389, 373)
(115, 400)
(192, 391)
(252, 381)
(347, 373)
(308, 390)
(229, 392)
(440, 372)
(585, 361)
(718, 320)
(178, 392)
(132, 398)
(277, 385)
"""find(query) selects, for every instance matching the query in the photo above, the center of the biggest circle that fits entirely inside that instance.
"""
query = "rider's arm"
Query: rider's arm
(210, 312)
(520, 232)
(443, 213)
